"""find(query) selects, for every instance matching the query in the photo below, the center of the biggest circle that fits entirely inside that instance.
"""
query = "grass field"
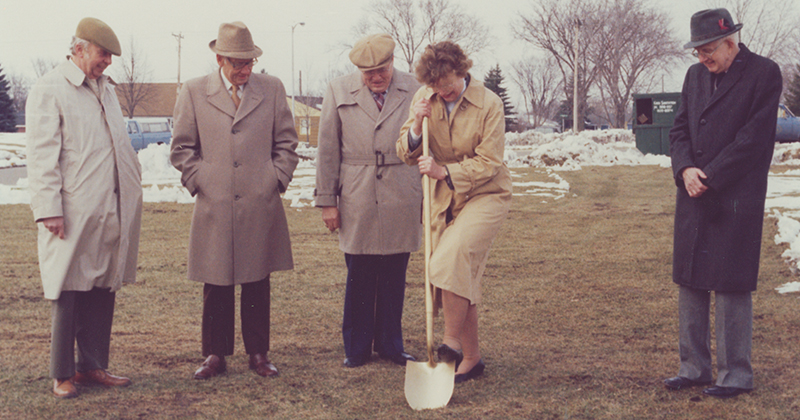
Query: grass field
(579, 321)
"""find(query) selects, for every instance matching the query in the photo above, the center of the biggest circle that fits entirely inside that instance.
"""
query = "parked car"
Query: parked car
(788, 125)
(146, 131)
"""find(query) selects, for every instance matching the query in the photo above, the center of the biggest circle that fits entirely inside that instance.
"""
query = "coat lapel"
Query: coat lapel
(218, 96)
(395, 94)
(253, 95)
(730, 79)
(363, 98)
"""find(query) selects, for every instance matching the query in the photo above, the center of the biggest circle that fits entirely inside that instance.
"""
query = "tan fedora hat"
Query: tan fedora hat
(372, 51)
(234, 41)
(97, 32)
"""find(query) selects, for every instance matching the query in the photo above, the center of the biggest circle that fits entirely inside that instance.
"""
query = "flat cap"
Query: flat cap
(372, 51)
(97, 32)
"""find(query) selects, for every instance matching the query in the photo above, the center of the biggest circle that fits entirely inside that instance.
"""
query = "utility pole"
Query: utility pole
(575, 101)
(179, 37)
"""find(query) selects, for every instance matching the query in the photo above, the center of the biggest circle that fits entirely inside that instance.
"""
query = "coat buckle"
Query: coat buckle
(380, 158)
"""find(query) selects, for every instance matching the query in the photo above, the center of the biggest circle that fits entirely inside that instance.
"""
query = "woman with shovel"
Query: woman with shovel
(471, 189)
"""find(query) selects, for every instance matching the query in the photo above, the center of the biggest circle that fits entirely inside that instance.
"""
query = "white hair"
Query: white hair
(74, 44)
(734, 37)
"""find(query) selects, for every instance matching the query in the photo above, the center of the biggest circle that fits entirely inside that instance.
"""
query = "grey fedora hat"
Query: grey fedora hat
(234, 41)
(710, 25)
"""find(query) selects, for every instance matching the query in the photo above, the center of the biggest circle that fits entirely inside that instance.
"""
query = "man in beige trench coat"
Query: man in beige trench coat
(234, 142)
(86, 196)
(364, 188)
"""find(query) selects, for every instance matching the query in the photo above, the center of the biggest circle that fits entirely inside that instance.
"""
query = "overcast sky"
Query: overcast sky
(31, 29)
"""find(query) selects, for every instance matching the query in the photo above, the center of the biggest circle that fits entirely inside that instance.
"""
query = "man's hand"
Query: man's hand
(330, 216)
(55, 225)
(691, 180)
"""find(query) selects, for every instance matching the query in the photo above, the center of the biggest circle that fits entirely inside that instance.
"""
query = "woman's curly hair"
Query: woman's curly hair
(439, 60)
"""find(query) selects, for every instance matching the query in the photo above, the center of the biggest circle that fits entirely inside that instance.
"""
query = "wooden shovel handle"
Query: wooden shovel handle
(426, 223)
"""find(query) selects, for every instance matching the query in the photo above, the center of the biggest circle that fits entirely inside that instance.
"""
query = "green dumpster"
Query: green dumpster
(653, 115)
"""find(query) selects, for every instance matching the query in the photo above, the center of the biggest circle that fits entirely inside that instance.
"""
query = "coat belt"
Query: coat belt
(378, 159)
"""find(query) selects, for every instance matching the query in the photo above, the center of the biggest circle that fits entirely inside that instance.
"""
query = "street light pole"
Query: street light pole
(293, 26)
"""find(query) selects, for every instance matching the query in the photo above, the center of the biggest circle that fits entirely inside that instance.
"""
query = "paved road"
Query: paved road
(9, 176)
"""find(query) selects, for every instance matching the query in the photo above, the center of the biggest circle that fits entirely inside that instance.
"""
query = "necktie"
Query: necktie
(379, 97)
(235, 96)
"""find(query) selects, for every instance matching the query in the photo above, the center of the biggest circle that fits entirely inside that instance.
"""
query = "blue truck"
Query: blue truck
(146, 131)
(788, 125)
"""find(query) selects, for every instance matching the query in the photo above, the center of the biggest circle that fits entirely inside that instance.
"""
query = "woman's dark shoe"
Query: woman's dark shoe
(476, 371)
(447, 354)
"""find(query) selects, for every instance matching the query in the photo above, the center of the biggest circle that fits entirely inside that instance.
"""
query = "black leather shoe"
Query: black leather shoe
(679, 382)
(725, 391)
(476, 371)
(353, 362)
(399, 358)
(448, 354)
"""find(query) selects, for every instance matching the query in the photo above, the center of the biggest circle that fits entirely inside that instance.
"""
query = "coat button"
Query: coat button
(699, 153)
(233, 131)
(703, 121)
(236, 164)
(237, 197)
(379, 176)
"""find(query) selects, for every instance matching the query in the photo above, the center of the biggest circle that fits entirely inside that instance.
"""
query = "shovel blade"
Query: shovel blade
(429, 386)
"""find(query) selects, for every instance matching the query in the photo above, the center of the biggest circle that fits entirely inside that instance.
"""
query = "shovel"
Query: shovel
(428, 384)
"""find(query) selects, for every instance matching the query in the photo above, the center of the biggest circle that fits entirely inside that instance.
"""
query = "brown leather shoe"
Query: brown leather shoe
(212, 366)
(99, 377)
(64, 389)
(262, 365)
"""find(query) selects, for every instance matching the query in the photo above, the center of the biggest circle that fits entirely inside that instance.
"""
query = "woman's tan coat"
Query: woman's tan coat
(470, 142)
(358, 170)
(81, 166)
(237, 163)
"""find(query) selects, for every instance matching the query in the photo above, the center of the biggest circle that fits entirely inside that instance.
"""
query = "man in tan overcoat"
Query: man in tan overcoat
(234, 142)
(86, 197)
(367, 193)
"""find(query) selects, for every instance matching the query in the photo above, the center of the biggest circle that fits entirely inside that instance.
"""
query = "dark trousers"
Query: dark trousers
(84, 317)
(218, 318)
(373, 304)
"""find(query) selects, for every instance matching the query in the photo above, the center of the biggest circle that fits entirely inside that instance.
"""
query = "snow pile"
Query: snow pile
(569, 152)
(786, 154)
(12, 150)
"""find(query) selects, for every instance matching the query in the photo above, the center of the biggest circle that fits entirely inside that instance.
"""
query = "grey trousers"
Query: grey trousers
(733, 322)
(84, 317)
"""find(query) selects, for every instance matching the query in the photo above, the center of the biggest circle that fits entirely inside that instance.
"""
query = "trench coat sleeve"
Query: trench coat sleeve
(185, 153)
(476, 171)
(680, 137)
(329, 157)
(736, 159)
(284, 157)
(44, 150)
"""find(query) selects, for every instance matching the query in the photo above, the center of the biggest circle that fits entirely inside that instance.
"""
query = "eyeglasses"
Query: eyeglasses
(697, 53)
(381, 71)
(238, 65)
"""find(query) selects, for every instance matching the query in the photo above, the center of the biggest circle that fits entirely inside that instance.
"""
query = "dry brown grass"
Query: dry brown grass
(579, 321)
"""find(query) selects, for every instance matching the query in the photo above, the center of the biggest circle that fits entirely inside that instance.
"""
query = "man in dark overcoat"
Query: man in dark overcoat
(721, 146)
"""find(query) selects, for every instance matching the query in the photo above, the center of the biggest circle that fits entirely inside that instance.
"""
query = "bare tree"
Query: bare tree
(569, 31)
(134, 86)
(771, 28)
(414, 24)
(540, 85)
(638, 43)
(20, 85)
(43, 65)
